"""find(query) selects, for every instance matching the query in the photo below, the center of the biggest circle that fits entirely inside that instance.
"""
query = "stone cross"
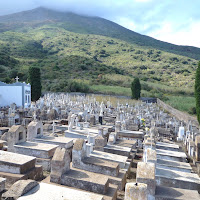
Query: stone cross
(34, 116)
(17, 79)
(53, 127)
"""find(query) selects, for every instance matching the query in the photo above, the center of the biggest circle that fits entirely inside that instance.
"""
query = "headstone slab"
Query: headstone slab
(34, 130)
(146, 174)
(60, 164)
(136, 191)
(16, 135)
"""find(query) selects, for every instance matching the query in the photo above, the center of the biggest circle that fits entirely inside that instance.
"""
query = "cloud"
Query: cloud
(189, 36)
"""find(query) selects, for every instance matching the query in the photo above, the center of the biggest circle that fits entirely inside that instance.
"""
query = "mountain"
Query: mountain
(90, 25)
(71, 49)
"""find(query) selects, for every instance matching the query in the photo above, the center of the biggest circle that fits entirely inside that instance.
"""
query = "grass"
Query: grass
(182, 103)
(114, 90)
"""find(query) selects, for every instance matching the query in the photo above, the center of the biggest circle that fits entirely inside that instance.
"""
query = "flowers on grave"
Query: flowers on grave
(143, 122)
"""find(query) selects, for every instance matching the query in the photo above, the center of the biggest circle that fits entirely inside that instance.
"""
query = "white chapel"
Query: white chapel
(18, 93)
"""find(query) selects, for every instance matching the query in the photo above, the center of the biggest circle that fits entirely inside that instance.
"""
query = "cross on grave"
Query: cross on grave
(34, 116)
(17, 79)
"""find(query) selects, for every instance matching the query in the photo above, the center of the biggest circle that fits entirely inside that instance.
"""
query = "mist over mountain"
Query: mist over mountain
(90, 25)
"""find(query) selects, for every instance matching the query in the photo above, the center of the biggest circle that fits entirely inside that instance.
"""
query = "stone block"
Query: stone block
(197, 145)
(146, 174)
(136, 191)
(34, 130)
(151, 155)
(16, 163)
(2, 184)
(19, 188)
(100, 142)
(60, 164)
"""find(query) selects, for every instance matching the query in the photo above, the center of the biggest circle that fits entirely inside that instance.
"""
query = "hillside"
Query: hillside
(89, 25)
(50, 40)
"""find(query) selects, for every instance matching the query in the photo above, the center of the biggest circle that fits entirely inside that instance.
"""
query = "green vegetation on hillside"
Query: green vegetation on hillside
(197, 92)
(68, 57)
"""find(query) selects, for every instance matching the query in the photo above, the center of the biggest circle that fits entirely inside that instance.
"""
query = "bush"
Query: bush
(74, 86)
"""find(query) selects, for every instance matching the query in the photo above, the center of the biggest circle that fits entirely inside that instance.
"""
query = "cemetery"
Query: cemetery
(72, 146)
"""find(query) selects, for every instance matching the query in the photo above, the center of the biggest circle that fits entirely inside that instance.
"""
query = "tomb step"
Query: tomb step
(110, 157)
(36, 174)
(101, 166)
(93, 182)
(126, 143)
(170, 193)
(124, 151)
(119, 181)
(16, 163)
(110, 195)
(127, 168)
(177, 179)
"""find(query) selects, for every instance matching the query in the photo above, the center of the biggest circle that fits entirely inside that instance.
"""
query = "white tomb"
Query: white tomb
(18, 93)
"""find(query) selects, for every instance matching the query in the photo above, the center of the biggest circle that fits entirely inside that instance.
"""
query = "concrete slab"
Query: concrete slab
(52, 192)
(124, 151)
(167, 146)
(89, 181)
(99, 165)
(15, 163)
(131, 134)
(163, 193)
(174, 165)
(63, 142)
(35, 173)
(177, 179)
(126, 143)
(39, 150)
(171, 155)
(109, 156)
(110, 195)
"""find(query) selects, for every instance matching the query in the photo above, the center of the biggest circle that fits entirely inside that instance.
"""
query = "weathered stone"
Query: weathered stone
(2, 184)
(19, 188)
(151, 155)
(136, 191)
(34, 130)
(60, 164)
(146, 174)
(197, 145)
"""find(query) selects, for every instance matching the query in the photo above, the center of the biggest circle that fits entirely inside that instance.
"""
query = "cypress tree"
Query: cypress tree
(136, 88)
(35, 81)
(197, 92)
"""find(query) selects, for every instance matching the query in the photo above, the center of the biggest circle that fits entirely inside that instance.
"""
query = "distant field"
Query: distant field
(182, 103)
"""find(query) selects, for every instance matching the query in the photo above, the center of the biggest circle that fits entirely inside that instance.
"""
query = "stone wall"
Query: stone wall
(178, 114)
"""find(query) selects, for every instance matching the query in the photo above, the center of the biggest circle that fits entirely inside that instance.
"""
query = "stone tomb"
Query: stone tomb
(171, 155)
(63, 173)
(17, 143)
(52, 192)
(97, 165)
(35, 133)
(15, 167)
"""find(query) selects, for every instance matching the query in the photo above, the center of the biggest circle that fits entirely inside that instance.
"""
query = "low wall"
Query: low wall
(178, 114)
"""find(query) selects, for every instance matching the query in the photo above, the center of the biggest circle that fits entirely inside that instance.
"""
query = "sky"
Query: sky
(173, 21)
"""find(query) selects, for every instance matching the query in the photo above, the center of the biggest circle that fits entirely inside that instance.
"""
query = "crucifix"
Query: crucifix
(17, 79)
